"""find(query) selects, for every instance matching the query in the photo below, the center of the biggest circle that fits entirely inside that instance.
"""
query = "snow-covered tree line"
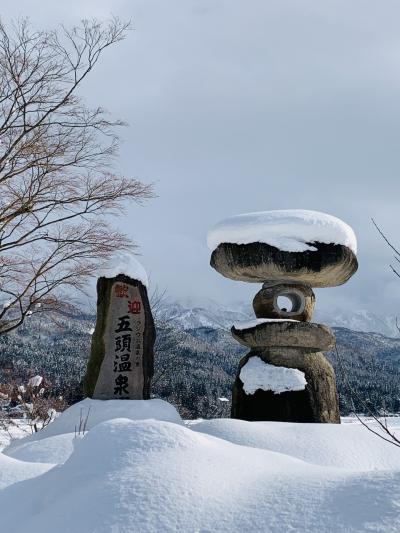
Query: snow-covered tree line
(194, 369)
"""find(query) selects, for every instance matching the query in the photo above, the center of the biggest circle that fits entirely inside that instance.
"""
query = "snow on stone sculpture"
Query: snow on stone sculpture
(121, 360)
(289, 252)
(256, 374)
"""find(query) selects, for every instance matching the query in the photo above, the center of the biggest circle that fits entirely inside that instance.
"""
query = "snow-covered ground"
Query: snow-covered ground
(140, 468)
(16, 429)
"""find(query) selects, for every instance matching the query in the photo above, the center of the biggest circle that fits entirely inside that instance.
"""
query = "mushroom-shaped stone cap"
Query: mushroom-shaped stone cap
(293, 246)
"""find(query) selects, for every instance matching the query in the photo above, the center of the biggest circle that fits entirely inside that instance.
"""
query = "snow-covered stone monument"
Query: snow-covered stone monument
(285, 376)
(121, 359)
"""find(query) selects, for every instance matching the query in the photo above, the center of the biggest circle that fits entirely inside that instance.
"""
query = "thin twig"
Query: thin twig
(391, 438)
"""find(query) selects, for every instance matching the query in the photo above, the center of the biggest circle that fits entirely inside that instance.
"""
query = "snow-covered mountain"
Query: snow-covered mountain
(214, 316)
(218, 316)
(361, 320)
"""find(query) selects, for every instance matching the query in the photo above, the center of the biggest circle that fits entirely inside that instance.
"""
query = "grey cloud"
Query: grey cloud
(241, 106)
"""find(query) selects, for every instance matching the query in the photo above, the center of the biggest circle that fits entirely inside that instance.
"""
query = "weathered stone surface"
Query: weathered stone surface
(121, 360)
(328, 266)
(286, 339)
(308, 336)
(318, 402)
(302, 297)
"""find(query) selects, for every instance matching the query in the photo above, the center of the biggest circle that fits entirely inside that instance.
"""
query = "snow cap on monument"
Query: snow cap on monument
(295, 245)
(126, 264)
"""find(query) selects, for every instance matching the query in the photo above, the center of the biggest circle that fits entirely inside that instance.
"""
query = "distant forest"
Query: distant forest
(195, 369)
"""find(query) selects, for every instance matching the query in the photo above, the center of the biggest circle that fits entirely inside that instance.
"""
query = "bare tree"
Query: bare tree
(35, 405)
(396, 269)
(169, 340)
(381, 428)
(396, 252)
(56, 167)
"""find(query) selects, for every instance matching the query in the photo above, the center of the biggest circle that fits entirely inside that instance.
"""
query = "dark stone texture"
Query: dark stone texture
(305, 335)
(265, 303)
(328, 266)
(318, 402)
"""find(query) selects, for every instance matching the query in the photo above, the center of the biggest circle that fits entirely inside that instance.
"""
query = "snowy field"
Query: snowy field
(140, 468)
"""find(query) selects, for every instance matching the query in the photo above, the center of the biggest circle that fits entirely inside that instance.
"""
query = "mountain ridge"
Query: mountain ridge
(221, 316)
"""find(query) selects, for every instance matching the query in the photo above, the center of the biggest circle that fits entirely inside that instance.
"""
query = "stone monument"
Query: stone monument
(121, 359)
(285, 376)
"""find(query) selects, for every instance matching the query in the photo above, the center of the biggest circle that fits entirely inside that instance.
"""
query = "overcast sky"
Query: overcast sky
(247, 105)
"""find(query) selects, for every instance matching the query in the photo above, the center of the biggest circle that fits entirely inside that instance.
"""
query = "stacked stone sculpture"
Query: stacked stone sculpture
(285, 376)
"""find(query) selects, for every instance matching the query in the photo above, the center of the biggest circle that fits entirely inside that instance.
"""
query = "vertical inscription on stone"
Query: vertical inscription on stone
(121, 373)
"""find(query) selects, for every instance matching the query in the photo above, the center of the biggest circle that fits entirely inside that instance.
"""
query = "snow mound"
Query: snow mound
(139, 476)
(96, 411)
(256, 374)
(345, 446)
(13, 471)
(292, 230)
(149, 475)
(54, 449)
(127, 264)
(248, 324)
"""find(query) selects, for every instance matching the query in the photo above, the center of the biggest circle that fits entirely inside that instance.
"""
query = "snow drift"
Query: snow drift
(152, 475)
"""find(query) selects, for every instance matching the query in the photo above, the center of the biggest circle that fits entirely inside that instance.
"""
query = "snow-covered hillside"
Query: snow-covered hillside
(215, 315)
(141, 468)
(359, 320)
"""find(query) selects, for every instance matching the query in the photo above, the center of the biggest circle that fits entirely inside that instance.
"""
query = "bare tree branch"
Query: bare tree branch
(57, 182)
(396, 257)
(386, 434)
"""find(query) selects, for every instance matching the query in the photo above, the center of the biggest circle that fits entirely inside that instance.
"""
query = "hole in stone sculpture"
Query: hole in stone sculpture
(289, 303)
(285, 304)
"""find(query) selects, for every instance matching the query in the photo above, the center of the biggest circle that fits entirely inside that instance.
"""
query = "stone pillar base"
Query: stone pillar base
(317, 402)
